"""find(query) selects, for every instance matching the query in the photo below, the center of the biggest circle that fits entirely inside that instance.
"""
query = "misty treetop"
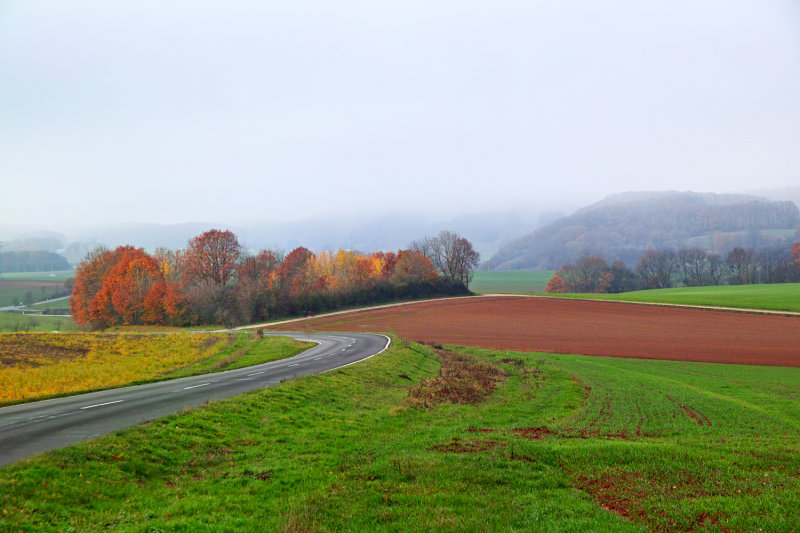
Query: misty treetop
(214, 280)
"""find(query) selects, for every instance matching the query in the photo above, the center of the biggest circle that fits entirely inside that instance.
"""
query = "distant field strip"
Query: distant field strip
(445, 438)
(586, 327)
(510, 281)
(15, 322)
(775, 297)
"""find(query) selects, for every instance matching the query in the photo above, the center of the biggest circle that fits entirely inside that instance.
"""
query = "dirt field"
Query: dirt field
(583, 327)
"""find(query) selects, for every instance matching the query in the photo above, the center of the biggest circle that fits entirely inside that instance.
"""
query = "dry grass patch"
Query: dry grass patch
(462, 379)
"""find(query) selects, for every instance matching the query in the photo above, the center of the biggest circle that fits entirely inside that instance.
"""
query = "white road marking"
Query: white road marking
(101, 404)
(295, 364)
(194, 386)
(256, 373)
(317, 358)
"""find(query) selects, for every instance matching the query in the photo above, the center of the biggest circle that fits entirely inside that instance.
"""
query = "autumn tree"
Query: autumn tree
(413, 267)
(124, 286)
(254, 287)
(89, 278)
(213, 256)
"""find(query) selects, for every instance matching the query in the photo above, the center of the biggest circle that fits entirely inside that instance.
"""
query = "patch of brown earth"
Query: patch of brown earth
(467, 446)
(462, 379)
(592, 328)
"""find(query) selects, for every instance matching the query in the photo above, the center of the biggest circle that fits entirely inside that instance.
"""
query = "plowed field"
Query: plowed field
(584, 327)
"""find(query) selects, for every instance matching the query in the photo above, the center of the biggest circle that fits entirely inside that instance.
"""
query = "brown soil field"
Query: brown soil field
(584, 327)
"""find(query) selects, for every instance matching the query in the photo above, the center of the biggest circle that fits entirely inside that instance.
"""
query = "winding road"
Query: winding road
(35, 427)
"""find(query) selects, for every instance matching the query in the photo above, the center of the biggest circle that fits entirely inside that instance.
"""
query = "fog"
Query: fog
(240, 112)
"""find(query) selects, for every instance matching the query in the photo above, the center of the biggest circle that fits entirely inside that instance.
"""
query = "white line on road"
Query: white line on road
(256, 373)
(101, 404)
(295, 364)
(194, 386)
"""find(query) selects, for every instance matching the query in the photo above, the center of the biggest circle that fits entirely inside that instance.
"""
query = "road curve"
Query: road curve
(35, 427)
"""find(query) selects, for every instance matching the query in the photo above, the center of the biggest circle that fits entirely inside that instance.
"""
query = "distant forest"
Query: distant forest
(625, 226)
(38, 261)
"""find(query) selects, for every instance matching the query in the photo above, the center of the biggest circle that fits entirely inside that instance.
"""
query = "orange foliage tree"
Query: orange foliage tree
(124, 286)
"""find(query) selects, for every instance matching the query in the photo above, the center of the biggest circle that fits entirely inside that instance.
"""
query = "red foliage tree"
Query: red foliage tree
(796, 252)
(291, 272)
(556, 284)
(213, 256)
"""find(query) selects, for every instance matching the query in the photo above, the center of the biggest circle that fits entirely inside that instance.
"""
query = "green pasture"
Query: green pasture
(61, 275)
(60, 303)
(11, 322)
(11, 292)
(775, 296)
(510, 281)
(564, 443)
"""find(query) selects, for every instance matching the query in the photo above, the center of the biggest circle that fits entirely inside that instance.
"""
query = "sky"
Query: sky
(151, 111)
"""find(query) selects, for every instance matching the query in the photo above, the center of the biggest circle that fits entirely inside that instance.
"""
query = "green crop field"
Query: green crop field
(11, 322)
(61, 275)
(14, 291)
(510, 281)
(60, 303)
(776, 297)
(474, 441)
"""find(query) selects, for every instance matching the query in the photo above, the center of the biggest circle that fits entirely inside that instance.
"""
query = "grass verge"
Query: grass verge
(550, 443)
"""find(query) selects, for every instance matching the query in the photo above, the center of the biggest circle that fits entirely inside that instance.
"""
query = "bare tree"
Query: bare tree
(656, 268)
(742, 266)
(451, 254)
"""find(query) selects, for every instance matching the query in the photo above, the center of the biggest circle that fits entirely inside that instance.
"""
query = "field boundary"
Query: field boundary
(357, 310)
(504, 295)
(661, 304)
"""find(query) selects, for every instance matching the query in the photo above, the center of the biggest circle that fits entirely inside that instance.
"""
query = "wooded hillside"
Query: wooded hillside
(625, 226)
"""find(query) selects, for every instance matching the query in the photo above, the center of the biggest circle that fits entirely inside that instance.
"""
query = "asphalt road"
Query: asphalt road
(32, 428)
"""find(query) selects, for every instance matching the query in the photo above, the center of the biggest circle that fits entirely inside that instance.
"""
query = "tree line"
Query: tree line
(215, 280)
(688, 266)
(32, 261)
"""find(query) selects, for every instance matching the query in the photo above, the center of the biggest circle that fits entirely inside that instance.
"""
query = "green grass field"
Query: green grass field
(61, 275)
(61, 303)
(11, 322)
(510, 281)
(563, 443)
(776, 297)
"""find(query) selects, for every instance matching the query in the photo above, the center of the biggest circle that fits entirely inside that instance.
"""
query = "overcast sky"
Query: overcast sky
(245, 111)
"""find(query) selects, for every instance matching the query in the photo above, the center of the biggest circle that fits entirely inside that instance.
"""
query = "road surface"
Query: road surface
(32, 428)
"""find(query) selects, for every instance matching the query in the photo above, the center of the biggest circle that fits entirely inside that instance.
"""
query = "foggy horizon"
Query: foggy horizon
(250, 113)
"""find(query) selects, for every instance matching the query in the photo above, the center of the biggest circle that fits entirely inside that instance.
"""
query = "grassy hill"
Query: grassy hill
(470, 440)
